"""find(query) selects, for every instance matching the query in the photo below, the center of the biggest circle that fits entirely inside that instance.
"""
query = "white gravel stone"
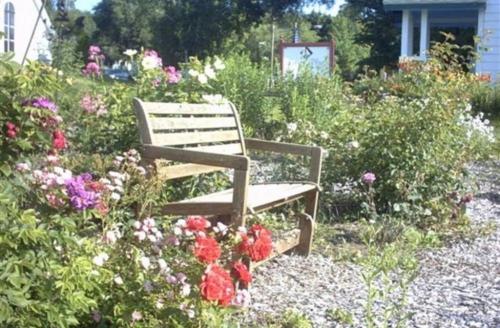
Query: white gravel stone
(457, 285)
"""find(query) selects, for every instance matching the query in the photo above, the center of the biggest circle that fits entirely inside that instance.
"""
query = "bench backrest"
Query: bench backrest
(211, 128)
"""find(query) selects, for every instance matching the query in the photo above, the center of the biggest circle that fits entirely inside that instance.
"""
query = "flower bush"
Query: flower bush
(72, 186)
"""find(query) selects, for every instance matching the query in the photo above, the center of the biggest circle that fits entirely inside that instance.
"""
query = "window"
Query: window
(9, 27)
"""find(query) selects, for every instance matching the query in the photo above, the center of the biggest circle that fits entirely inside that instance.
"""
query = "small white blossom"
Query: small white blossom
(203, 79)
(100, 259)
(145, 262)
(118, 280)
(130, 52)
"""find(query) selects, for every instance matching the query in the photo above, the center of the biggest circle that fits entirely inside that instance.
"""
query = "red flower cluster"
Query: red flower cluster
(12, 130)
(217, 285)
(240, 272)
(257, 243)
(197, 223)
(59, 140)
(206, 249)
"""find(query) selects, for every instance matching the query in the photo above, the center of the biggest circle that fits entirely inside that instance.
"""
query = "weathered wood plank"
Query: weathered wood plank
(185, 170)
(232, 148)
(279, 147)
(286, 243)
(186, 138)
(184, 123)
(196, 157)
(187, 109)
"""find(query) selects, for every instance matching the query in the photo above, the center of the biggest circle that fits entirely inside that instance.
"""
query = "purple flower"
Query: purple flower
(80, 197)
(368, 178)
(42, 103)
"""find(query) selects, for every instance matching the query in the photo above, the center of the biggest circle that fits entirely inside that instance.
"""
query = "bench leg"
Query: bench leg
(306, 226)
(307, 223)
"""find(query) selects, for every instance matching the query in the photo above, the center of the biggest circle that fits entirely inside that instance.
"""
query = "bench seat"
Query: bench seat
(261, 197)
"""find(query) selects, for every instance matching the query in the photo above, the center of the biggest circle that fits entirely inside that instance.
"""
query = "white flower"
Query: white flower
(160, 303)
(145, 262)
(118, 280)
(110, 237)
(209, 72)
(115, 196)
(202, 78)
(177, 231)
(193, 72)
(221, 228)
(150, 62)
(219, 64)
(162, 264)
(100, 259)
(136, 316)
(292, 127)
(352, 145)
(185, 290)
(214, 99)
(137, 225)
(130, 52)
(141, 235)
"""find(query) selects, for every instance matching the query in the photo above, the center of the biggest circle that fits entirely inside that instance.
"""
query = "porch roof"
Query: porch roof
(432, 4)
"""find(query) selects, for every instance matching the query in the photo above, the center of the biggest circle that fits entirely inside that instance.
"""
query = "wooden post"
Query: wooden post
(240, 191)
(424, 33)
(407, 34)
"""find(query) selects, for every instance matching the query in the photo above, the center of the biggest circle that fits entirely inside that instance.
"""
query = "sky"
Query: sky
(89, 4)
(86, 4)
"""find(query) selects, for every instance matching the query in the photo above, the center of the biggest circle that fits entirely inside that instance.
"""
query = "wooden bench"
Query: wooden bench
(207, 138)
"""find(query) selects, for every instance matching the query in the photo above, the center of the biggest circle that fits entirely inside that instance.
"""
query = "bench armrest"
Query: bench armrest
(236, 162)
(314, 152)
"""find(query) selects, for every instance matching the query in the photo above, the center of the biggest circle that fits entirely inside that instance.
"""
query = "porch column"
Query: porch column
(407, 34)
(424, 33)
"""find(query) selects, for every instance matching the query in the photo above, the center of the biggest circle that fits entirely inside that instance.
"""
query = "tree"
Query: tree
(183, 28)
(124, 24)
(377, 32)
(349, 55)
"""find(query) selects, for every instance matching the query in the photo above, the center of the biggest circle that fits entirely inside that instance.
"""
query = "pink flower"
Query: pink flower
(96, 316)
(92, 69)
(94, 50)
(136, 316)
(173, 75)
(93, 105)
(368, 178)
(22, 167)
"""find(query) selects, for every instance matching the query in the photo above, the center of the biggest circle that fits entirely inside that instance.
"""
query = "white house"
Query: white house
(19, 18)
(421, 19)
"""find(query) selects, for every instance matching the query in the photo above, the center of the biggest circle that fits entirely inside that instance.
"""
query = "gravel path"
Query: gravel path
(457, 286)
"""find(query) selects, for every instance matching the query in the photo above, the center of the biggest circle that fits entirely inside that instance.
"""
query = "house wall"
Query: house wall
(26, 13)
(489, 31)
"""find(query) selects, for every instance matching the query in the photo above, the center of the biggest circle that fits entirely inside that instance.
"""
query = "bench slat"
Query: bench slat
(183, 123)
(232, 148)
(186, 138)
(187, 109)
(185, 170)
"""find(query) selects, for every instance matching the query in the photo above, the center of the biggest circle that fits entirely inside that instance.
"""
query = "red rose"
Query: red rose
(196, 223)
(58, 140)
(257, 244)
(11, 134)
(240, 272)
(217, 285)
(12, 130)
(206, 249)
